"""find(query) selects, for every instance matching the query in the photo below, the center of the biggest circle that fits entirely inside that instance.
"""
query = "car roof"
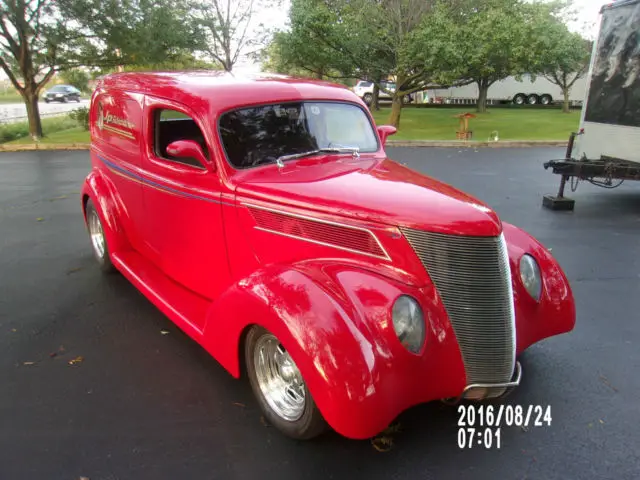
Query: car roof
(220, 90)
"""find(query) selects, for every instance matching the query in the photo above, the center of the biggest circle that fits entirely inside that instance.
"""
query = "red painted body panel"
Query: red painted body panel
(187, 238)
(373, 189)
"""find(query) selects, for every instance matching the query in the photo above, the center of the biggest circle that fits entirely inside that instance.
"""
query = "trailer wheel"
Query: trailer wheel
(519, 99)
(546, 99)
(533, 99)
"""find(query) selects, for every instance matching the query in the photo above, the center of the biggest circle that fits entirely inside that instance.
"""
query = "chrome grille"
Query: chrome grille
(473, 277)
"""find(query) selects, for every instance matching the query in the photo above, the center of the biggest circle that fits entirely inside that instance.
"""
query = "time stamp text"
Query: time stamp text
(480, 426)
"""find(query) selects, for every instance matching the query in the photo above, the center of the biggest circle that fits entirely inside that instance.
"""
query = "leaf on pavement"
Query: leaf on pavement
(76, 360)
(382, 443)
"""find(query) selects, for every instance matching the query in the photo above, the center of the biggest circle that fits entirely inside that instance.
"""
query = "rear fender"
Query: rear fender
(555, 313)
(101, 191)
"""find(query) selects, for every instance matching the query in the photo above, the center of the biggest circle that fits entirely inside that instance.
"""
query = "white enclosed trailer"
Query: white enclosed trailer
(529, 89)
(606, 149)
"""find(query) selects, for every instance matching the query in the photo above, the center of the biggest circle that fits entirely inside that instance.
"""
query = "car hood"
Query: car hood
(375, 190)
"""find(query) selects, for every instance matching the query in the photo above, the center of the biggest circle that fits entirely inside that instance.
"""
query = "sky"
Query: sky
(588, 14)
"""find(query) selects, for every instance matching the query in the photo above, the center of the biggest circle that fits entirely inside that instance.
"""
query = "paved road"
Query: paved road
(13, 112)
(143, 405)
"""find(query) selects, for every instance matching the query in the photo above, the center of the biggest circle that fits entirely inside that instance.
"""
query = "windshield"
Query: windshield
(260, 135)
(59, 88)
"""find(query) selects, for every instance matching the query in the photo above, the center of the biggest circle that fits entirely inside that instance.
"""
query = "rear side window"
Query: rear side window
(365, 84)
(172, 125)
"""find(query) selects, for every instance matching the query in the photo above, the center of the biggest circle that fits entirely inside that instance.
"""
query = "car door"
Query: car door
(183, 227)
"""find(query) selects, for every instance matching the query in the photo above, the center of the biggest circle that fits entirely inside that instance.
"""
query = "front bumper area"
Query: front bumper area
(483, 391)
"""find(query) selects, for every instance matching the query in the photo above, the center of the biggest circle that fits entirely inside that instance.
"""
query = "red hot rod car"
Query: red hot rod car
(262, 215)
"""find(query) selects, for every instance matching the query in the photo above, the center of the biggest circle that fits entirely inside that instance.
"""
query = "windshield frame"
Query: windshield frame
(287, 102)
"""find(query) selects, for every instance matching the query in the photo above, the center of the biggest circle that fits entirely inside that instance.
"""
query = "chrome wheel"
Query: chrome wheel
(97, 234)
(279, 379)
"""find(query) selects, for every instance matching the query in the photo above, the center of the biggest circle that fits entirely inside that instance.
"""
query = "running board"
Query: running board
(185, 308)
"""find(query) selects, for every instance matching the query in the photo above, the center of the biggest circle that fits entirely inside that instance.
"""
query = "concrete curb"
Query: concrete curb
(472, 144)
(390, 143)
(44, 146)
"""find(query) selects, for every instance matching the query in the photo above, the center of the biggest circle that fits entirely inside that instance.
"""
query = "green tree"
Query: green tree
(233, 29)
(365, 39)
(495, 39)
(41, 37)
(76, 77)
(565, 59)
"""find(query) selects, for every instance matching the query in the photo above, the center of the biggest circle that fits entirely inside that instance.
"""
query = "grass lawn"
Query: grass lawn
(11, 96)
(70, 135)
(429, 124)
(510, 123)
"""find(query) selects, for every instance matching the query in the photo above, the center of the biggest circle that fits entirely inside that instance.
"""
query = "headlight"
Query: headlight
(408, 322)
(530, 276)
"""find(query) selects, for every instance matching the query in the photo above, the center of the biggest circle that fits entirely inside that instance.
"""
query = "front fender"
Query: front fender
(555, 313)
(335, 322)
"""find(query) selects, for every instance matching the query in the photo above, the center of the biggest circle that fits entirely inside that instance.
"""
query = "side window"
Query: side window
(170, 126)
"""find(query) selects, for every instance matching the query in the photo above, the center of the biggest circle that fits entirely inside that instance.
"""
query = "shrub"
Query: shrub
(81, 116)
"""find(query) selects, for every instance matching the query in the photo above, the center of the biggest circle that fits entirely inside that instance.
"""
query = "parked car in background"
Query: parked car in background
(62, 93)
(364, 89)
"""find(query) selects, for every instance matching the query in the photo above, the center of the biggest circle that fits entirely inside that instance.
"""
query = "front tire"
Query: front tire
(279, 388)
(98, 239)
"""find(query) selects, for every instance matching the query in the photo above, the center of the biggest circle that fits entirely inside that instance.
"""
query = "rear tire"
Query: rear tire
(533, 99)
(281, 392)
(367, 98)
(98, 239)
(546, 99)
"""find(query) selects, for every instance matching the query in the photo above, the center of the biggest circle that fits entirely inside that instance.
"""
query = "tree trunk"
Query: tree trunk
(375, 101)
(565, 103)
(396, 102)
(483, 90)
(396, 110)
(33, 114)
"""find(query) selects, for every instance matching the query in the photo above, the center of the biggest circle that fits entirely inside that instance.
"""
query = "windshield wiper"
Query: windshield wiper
(353, 150)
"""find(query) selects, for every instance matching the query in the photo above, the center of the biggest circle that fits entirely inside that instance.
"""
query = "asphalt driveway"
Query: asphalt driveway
(96, 383)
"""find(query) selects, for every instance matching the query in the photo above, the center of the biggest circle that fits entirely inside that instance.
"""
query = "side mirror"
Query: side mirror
(384, 131)
(187, 149)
